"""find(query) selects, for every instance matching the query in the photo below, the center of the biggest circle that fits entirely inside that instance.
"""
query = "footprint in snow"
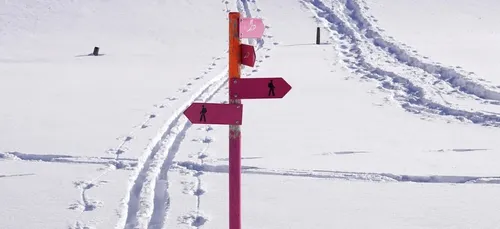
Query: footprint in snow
(207, 139)
(198, 173)
(207, 129)
(77, 206)
(199, 221)
(199, 192)
(202, 156)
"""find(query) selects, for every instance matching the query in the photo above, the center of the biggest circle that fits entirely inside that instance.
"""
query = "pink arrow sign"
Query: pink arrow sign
(259, 88)
(215, 113)
(251, 28)
(247, 55)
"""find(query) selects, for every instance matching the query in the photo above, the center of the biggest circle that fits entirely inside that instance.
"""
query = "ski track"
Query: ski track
(161, 196)
(411, 97)
(162, 147)
(161, 203)
(341, 175)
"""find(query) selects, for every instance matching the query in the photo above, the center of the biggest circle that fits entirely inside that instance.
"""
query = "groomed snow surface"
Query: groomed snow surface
(393, 120)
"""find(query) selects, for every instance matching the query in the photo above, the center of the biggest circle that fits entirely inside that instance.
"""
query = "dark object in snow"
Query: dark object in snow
(96, 51)
(317, 36)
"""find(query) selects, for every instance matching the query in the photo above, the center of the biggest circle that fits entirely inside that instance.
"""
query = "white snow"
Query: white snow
(385, 125)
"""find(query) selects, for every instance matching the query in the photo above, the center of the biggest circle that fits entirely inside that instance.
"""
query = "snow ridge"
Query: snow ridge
(342, 175)
(56, 158)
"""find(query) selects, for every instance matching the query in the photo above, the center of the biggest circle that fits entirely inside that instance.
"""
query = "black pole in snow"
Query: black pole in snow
(96, 51)
(317, 36)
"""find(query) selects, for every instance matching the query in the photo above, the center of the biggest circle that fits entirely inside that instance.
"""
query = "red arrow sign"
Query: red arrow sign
(251, 28)
(258, 88)
(215, 113)
(247, 55)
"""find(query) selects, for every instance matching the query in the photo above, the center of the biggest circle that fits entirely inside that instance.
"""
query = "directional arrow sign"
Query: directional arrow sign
(215, 113)
(258, 88)
(247, 55)
(251, 28)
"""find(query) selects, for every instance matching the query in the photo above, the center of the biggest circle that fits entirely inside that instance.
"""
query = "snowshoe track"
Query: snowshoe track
(349, 31)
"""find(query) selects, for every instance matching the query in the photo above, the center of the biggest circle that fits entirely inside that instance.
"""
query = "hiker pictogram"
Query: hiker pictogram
(203, 112)
(271, 87)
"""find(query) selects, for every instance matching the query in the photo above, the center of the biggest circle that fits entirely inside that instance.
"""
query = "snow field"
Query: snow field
(381, 129)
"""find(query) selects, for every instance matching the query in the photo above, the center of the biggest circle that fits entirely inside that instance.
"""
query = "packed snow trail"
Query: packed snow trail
(450, 76)
(412, 97)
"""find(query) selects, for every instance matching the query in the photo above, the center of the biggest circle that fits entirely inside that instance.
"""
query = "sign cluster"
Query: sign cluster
(243, 88)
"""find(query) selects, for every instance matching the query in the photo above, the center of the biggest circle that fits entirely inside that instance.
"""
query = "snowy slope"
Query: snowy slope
(380, 129)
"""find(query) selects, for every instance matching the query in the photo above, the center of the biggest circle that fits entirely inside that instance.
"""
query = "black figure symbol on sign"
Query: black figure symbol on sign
(271, 87)
(203, 112)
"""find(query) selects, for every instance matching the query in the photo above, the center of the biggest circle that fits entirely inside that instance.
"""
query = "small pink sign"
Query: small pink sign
(215, 113)
(247, 55)
(251, 28)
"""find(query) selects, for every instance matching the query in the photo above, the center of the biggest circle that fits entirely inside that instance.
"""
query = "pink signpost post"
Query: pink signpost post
(232, 114)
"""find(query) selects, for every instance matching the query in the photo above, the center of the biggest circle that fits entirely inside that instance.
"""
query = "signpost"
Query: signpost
(232, 114)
